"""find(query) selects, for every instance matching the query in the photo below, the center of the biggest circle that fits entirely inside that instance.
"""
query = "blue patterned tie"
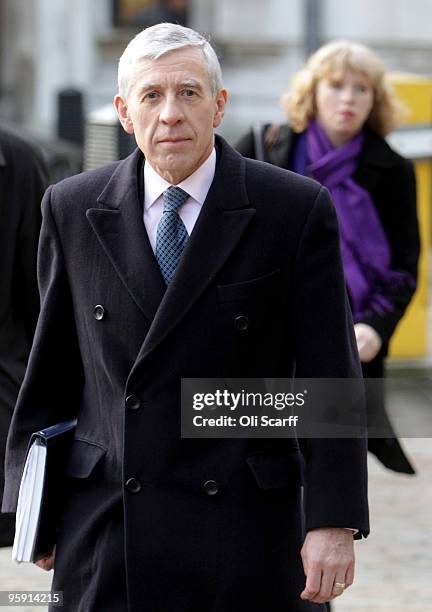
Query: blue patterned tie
(171, 234)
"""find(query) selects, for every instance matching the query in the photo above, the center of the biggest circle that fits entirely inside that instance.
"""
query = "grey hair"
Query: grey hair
(162, 38)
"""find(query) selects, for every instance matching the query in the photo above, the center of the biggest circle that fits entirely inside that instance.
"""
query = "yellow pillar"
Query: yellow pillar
(415, 141)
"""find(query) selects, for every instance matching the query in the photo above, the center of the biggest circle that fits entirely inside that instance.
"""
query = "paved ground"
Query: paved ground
(21, 577)
(394, 565)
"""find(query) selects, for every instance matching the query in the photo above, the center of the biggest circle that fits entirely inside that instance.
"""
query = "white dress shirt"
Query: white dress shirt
(196, 185)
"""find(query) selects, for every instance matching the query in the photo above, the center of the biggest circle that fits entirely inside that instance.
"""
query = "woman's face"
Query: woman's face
(343, 104)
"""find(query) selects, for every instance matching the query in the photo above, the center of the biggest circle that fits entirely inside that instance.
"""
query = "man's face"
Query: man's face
(172, 112)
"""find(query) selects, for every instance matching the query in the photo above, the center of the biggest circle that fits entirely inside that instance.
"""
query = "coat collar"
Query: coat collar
(124, 182)
(377, 152)
(119, 226)
(376, 156)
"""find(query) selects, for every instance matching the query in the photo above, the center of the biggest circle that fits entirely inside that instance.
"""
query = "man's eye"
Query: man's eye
(188, 93)
(152, 95)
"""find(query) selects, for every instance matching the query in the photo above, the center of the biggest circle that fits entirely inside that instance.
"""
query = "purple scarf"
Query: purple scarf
(365, 249)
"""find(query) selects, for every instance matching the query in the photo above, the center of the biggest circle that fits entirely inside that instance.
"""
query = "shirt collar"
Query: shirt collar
(196, 185)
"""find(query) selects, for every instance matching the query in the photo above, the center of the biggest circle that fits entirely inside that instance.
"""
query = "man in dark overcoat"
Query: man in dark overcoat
(22, 184)
(187, 260)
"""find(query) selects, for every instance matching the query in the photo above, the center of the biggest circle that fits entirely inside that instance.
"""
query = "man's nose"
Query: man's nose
(171, 111)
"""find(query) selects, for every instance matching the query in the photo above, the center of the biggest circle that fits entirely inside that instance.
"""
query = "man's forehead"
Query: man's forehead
(192, 56)
(184, 65)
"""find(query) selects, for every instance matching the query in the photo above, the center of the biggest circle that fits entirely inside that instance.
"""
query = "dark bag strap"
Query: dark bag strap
(265, 136)
(258, 135)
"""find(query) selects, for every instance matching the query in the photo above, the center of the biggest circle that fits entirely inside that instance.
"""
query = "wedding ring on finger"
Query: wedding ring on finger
(339, 586)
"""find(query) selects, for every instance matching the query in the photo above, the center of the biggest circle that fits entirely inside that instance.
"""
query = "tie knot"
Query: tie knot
(173, 198)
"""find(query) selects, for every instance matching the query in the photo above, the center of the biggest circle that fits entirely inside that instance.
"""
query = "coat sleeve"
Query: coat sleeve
(336, 469)
(53, 383)
(401, 227)
(31, 192)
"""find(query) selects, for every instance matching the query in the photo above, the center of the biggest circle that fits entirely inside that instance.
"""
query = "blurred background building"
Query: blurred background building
(58, 64)
(48, 46)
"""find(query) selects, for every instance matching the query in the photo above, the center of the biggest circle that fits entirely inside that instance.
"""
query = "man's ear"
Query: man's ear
(123, 114)
(220, 102)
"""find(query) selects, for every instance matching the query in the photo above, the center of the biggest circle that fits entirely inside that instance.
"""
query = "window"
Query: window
(144, 13)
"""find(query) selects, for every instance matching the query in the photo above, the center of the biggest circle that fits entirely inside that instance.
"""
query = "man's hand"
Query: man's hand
(328, 562)
(47, 563)
(368, 341)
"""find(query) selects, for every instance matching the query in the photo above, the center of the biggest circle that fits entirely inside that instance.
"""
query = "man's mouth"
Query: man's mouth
(173, 140)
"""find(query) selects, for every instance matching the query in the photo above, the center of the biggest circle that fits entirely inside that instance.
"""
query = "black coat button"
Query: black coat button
(211, 487)
(99, 312)
(133, 402)
(241, 323)
(133, 485)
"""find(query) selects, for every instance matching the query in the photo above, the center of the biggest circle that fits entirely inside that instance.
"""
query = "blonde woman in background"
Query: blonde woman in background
(339, 110)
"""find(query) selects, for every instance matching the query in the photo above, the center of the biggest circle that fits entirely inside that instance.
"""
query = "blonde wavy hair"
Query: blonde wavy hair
(332, 61)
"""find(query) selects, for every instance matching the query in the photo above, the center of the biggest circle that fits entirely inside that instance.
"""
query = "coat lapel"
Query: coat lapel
(224, 217)
(119, 227)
